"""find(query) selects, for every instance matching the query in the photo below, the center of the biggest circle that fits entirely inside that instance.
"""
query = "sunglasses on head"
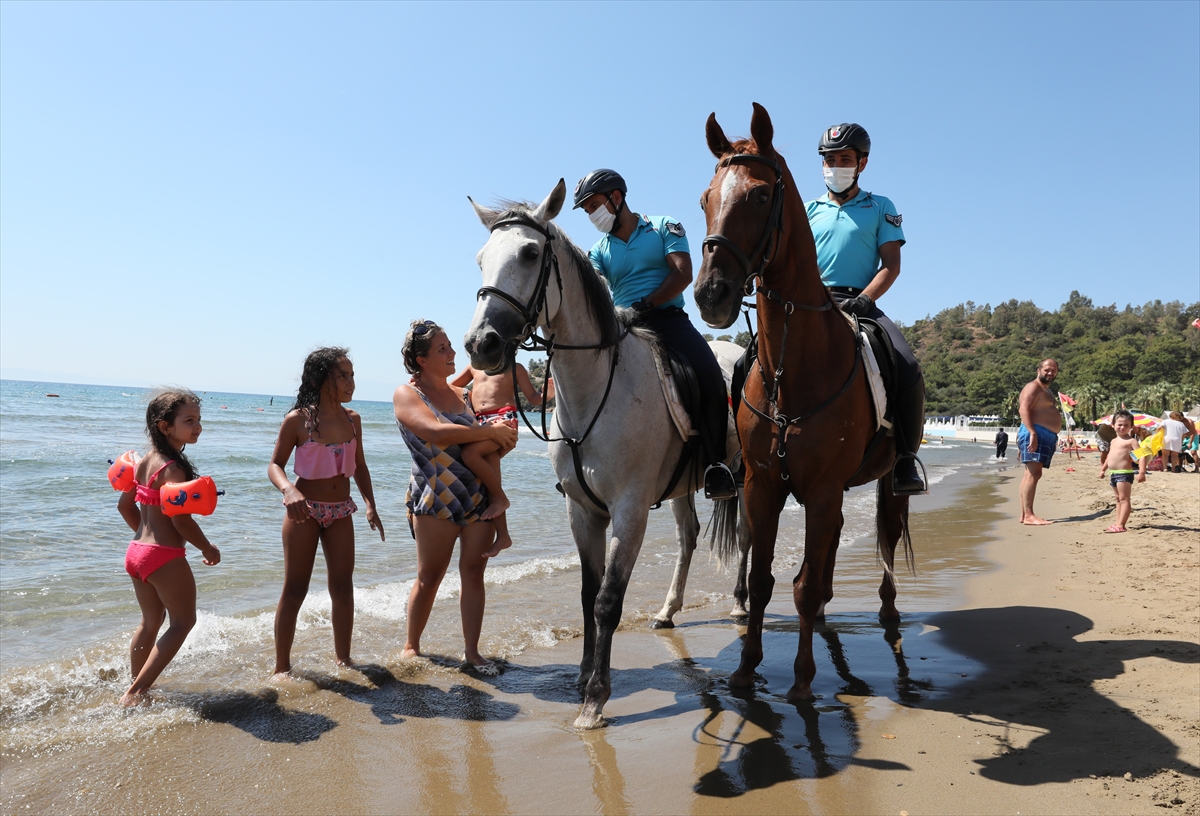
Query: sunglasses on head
(422, 329)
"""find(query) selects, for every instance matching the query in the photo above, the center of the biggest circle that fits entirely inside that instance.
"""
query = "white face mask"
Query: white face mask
(839, 179)
(602, 219)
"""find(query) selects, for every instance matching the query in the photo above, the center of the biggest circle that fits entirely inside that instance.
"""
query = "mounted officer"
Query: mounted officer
(645, 260)
(858, 237)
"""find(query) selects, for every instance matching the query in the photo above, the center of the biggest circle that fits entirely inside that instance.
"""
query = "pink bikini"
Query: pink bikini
(315, 460)
(143, 560)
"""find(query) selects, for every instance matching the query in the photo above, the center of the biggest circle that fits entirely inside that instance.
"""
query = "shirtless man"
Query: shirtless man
(1037, 438)
(492, 401)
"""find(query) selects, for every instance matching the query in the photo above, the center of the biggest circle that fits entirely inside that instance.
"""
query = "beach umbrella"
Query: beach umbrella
(1140, 420)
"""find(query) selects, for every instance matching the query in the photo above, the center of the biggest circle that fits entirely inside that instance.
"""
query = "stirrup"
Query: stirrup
(719, 484)
(923, 477)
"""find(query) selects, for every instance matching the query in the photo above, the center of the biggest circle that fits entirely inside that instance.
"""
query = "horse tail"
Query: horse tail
(722, 530)
(891, 528)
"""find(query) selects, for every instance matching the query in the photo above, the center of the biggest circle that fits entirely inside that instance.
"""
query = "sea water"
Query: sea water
(67, 606)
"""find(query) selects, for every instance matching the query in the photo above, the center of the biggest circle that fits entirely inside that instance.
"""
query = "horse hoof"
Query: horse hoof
(660, 623)
(889, 615)
(588, 719)
(741, 679)
(800, 693)
(738, 614)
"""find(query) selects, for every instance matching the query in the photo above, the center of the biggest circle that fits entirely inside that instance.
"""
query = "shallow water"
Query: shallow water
(67, 609)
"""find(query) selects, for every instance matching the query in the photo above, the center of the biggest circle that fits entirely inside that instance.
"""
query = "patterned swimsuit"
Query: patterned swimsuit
(441, 485)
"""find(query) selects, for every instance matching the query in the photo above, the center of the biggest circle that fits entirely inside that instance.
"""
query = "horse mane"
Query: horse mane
(612, 321)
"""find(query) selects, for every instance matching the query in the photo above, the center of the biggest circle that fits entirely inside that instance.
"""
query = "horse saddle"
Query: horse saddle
(879, 357)
(682, 391)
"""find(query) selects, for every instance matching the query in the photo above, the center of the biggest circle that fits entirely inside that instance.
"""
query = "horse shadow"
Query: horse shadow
(1036, 676)
(393, 700)
(260, 715)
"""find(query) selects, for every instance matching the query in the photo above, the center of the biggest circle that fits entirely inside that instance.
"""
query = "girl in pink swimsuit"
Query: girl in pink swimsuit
(155, 558)
(327, 440)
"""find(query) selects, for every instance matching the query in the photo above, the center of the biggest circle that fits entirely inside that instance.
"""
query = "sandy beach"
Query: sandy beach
(1067, 681)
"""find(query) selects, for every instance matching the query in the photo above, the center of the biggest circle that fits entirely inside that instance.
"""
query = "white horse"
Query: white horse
(613, 443)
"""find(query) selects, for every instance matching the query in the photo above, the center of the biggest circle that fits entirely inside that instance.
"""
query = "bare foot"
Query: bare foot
(1114, 529)
(503, 542)
(481, 666)
(129, 699)
(1035, 521)
(282, 675)
(409, 652)
(496, 506)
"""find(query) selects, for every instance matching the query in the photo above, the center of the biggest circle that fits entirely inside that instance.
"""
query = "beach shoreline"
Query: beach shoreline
(947, 717)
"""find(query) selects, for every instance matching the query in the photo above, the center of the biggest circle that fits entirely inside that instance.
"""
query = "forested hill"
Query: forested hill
(977, 358)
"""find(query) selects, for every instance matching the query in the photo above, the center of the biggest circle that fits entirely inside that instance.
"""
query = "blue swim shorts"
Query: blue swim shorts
(1118, 476)
(1047, 444)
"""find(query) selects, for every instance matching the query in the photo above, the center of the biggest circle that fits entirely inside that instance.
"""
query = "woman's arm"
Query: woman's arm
(418, 418)
(362, 477)
(285, 443)
(127, 506)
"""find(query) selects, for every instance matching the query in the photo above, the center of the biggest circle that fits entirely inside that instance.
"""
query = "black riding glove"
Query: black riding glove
(641, 306)
(861, 305)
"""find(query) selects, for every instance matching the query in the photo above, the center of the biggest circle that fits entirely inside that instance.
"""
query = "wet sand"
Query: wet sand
(1064, 655)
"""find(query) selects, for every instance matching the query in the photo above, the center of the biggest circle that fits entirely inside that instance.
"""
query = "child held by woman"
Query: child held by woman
(327, 440)
(156, 558)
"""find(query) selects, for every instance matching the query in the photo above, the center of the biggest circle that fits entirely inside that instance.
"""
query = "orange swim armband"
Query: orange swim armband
(197, 497)
(122, 471)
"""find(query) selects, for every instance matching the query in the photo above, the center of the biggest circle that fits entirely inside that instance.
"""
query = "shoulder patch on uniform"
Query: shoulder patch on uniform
(676, 229)
(894, 220)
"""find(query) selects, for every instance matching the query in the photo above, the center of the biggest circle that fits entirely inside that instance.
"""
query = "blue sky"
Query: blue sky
(202, 193)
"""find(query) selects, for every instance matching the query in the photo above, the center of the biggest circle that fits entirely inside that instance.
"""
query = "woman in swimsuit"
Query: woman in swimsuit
(444, 500)
(329, 452)
(155, 559)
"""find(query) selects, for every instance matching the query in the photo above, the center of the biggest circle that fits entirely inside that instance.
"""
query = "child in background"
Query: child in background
(492, 396)
(156, 558)
(327, 440)
(1120, 463)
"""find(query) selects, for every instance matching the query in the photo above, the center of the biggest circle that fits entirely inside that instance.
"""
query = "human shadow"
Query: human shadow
(1037, 677)
(392, 699)
(1087, 517)
(260, 714)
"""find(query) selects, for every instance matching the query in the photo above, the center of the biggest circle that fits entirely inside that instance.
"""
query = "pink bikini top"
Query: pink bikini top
(150, 495)
(315, 460)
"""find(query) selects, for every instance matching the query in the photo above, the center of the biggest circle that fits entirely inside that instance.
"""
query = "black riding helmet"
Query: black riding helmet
(846, 136)
(598, 181)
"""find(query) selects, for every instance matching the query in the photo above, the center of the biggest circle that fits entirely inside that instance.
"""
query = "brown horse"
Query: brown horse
(807, 421)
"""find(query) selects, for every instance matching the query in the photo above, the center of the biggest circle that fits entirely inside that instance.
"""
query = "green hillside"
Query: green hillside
(977, 358)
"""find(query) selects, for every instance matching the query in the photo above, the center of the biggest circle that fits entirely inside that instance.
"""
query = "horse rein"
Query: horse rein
(766, 246)
(530, 340)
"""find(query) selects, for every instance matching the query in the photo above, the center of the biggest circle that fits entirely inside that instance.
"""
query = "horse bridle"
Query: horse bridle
(765, 250)
(530, 340)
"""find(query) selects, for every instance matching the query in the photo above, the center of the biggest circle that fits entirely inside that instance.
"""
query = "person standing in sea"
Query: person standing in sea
(858, 238)
(444, 499)
(1001, 443)
(1037, 438)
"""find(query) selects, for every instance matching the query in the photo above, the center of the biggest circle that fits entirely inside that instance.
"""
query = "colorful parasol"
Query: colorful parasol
(1140, 420)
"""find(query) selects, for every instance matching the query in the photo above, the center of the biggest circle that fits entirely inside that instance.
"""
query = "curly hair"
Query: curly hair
(318, 366)
(417, 342)
(164, 407)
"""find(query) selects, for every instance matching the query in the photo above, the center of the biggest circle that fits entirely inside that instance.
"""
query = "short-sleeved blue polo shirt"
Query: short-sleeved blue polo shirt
(848, 237)
(637, 267)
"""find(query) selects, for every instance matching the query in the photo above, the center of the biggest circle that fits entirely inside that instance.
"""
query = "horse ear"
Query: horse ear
(717, 142)
(762, 130)
(487, 216)
(549, 209)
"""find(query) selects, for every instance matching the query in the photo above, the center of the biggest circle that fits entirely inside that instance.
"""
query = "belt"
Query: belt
(845, 291)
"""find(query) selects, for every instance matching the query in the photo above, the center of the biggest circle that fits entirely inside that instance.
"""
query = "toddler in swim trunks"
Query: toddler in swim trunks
(492, 397)
(1120, 466)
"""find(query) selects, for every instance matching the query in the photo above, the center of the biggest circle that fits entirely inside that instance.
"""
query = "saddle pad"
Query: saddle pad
(875, 378)
(727, 354)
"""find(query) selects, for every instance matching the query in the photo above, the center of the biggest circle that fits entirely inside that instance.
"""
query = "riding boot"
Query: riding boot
(908, 473)
(719, 483)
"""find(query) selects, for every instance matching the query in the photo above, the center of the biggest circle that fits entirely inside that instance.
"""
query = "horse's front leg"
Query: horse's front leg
(740, 592)
(629, 527)
(764, 502)
(687, 528)
(588, 527)
(822, 527)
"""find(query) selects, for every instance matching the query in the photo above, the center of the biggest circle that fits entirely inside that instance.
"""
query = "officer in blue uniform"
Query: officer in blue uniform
(858, 238)
(646, 262)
